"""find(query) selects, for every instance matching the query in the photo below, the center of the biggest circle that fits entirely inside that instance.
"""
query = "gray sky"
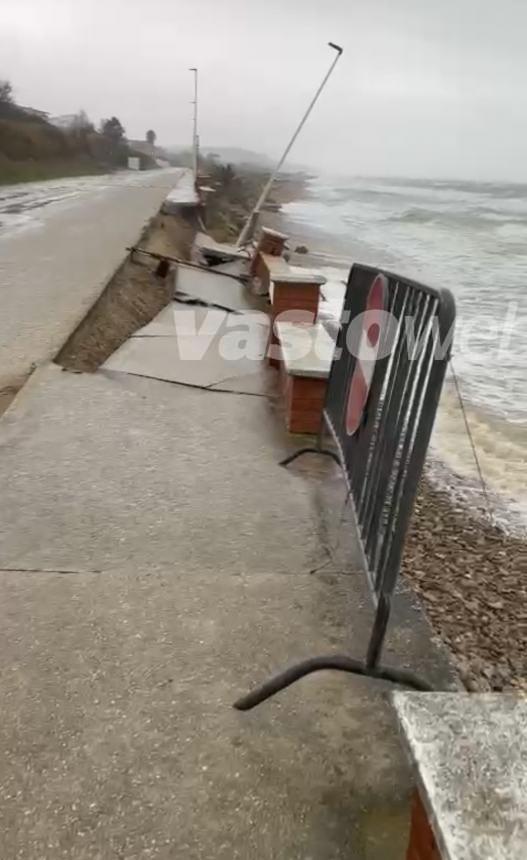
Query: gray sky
(424, 88)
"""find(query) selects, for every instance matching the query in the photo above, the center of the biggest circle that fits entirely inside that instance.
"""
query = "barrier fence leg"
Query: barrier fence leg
(312, 449)
(378, 632)
(369, 668)
(301, 451)
(337, 662)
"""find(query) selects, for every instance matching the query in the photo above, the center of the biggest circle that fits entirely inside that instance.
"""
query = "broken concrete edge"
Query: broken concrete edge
(183, 194)
(25, 389)
(10, 389)
(420, 788)
(41, 373)
(470, 769)
(114, 373)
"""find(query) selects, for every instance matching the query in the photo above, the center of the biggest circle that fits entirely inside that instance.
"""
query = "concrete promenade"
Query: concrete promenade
(156, 562)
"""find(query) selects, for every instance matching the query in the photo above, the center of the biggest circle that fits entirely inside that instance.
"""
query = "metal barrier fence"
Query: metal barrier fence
(390, 359)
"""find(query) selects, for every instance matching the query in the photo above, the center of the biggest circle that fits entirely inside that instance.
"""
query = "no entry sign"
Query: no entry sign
(372, 320)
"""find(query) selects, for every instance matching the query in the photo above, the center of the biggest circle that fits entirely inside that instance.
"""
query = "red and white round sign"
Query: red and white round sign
(372, 320)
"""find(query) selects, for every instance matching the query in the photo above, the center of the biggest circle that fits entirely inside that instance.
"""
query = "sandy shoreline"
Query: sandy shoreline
(470, 573)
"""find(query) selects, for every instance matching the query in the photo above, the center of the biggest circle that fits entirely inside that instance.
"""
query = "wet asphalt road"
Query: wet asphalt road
(60, 242)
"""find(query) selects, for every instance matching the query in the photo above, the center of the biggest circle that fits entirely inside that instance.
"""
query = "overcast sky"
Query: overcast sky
(424, 87)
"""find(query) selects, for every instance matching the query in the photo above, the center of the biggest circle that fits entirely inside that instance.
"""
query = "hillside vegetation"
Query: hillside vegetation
(32, 148)
(37, 150)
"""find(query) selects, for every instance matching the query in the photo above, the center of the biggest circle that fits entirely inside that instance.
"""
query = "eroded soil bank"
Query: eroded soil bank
(133, 296)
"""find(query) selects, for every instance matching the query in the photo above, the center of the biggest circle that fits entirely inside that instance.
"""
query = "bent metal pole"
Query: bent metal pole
(249, 225)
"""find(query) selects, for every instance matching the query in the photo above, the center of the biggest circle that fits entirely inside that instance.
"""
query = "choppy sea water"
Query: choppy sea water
(469, 237)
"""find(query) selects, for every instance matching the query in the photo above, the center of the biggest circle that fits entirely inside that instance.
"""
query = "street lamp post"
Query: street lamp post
(195, 126)
(250, 224)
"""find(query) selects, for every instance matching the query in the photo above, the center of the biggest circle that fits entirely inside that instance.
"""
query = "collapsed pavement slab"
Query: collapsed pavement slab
(216, 288)
(199, 346)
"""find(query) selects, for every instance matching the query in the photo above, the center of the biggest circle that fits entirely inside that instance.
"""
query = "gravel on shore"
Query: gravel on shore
(471, 577)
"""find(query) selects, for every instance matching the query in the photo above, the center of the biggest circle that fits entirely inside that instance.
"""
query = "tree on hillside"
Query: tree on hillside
(6, 92)
(111, 144)
(226, 176)
(80, 130)
(81, 122)
(113, 129)
(151, 137)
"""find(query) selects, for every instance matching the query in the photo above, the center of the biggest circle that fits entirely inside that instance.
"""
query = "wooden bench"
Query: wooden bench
(298, 346)
(294, 293)
(271, 243)
(292, 286)
(304, 358)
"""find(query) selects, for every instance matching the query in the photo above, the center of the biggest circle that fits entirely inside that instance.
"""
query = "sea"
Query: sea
(470, 237)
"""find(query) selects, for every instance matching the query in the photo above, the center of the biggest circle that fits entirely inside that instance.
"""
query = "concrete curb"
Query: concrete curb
(25, 391)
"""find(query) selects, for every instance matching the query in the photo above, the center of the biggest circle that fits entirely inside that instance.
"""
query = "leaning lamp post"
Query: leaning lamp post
(250, 224)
